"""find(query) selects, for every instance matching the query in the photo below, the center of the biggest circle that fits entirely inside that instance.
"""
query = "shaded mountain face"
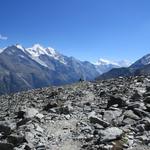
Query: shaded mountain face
(19, 72)
(141, 62)
(115, 73)
(140, 67)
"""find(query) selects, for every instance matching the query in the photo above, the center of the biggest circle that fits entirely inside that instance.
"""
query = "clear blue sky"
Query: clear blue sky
(85, 29)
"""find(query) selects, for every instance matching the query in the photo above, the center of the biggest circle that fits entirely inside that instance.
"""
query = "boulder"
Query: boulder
(31, 112)
(116, 100)
(110, 134)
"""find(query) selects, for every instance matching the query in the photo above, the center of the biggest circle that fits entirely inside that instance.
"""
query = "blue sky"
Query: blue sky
(85, 29)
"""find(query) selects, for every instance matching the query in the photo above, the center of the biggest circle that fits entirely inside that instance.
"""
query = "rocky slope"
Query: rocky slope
(105, 115)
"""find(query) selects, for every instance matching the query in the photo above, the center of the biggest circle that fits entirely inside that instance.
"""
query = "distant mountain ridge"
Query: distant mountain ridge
(103, 65)
(140, 67)
(27, 68)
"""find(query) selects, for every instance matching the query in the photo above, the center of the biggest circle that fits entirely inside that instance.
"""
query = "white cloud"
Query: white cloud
(3, 37)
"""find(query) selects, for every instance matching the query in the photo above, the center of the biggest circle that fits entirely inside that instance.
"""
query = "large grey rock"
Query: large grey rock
(110, 134)
(31, 112)
(110, 115)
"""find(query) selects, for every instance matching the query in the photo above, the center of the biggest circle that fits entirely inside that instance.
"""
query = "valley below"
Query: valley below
(102, 115)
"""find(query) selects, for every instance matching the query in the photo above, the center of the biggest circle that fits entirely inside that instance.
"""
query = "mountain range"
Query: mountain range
(27, 68)
(140, 67)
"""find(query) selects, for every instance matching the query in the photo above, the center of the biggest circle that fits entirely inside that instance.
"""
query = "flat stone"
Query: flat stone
(94, 119)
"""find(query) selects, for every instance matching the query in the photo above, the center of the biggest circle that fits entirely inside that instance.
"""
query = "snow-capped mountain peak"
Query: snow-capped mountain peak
(102, 61)
(37, 46)
(36, 50)
(121, 63)
(124, 63)
(2, 49)
(51, 52)
(20, 47)
(146, 59)
(104, 65)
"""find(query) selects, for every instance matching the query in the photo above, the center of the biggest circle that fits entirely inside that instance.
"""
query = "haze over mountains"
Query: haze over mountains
(26, 68)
